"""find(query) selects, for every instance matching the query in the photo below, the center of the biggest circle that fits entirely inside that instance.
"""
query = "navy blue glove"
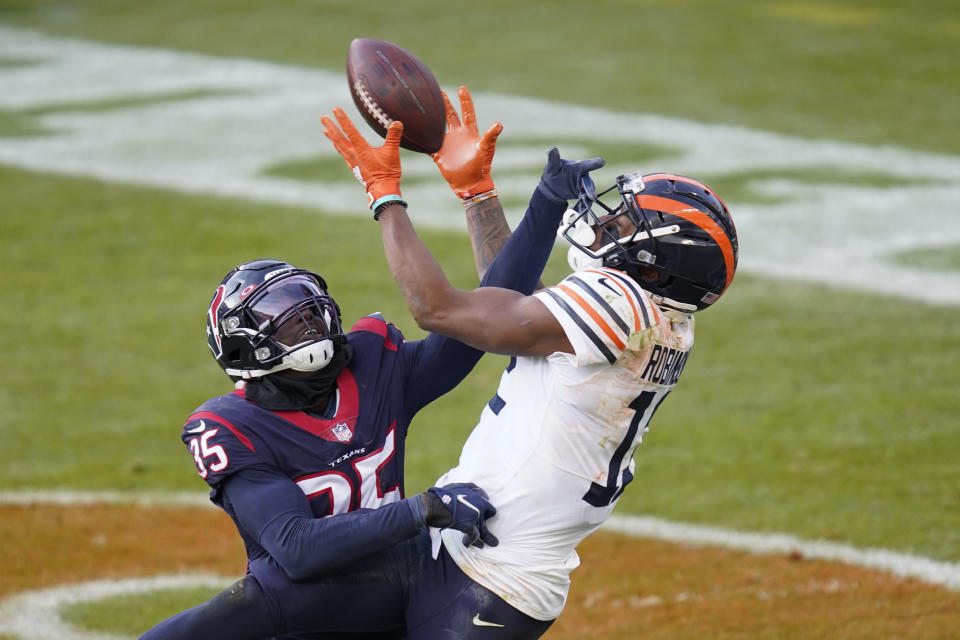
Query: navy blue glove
(561, 178)
(464, 507)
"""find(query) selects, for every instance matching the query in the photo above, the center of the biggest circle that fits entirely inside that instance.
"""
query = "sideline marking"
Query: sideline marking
(66, 498)
(905, 565)
(226, 120)
(36, 615)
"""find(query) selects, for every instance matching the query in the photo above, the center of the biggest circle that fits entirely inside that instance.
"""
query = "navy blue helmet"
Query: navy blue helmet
(268, 316)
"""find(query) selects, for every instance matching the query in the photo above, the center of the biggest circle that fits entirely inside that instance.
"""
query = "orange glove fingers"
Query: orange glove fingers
(392, 140)
(378, 168)
(453, 120)
(469, 114)
(340, 142)
(355, 137)
(489, 142)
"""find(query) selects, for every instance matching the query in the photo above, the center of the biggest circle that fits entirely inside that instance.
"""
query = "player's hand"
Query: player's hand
(377, 168)
(464, 159)
(562, 179)
(464, 507)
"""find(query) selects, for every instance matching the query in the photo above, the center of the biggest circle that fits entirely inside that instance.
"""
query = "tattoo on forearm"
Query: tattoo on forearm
(488, 231)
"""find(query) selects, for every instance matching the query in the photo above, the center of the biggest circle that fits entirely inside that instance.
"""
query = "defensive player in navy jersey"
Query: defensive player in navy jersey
(306, 455)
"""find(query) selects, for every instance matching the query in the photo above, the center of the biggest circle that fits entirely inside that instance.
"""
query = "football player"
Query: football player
(306, 454)
(594, 357)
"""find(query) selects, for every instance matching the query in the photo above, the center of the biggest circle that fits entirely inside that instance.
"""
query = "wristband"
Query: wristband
(480, 197)
(384, 199)
(384, 202)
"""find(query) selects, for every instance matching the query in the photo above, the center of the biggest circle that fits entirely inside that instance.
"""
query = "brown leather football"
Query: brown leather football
(389, 83)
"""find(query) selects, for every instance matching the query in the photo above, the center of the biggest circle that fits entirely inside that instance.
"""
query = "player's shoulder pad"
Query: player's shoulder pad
(614, 293)
(219, 448)
(375, 324)
(218, 414)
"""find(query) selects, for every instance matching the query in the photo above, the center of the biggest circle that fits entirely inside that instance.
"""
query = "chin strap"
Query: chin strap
(672, 308)
(312, 356)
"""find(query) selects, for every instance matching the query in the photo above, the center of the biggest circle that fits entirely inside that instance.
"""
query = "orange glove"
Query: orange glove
(377, 168)
(465, 157)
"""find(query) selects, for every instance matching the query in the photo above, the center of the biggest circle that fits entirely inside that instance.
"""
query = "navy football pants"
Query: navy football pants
(401, 593)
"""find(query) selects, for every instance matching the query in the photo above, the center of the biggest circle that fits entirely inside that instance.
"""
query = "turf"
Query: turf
(804, 409)
(818, 412)
(129, 614)
(940, 259)
(871, 71)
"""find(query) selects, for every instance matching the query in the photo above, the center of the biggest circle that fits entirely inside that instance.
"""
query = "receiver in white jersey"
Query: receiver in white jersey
(554, 447)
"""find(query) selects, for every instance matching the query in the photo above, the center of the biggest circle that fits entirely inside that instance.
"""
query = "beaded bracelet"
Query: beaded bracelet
(378, 209)
(480, 197)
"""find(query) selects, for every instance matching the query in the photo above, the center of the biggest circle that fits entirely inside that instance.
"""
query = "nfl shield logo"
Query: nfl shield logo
(342, 431)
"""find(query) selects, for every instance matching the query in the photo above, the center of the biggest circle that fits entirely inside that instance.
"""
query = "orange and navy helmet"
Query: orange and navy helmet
(671, 234)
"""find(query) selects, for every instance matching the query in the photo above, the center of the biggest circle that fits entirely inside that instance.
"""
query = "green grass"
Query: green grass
(803, 409)
(743, 186)
(817, 412)
(131, 615)
(128, 102)
(110, 323)
(16, 124)
(22, 123)
(881, 72)
(940, 259)
(323, 167)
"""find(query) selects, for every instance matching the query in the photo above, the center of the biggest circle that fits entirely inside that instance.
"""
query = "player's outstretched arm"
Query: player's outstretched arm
(465, 162)
(273, 510)
(487, 318)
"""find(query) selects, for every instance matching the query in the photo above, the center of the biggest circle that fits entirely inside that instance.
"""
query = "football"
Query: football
(389, 83)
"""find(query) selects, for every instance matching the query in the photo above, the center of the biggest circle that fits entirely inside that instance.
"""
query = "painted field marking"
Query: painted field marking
(945, 574)
(37, 615)
(936, 572)
(226, 120)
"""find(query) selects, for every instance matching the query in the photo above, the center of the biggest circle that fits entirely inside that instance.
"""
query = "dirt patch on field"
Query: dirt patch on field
(626, 588)
(630, 588)
(43, 546)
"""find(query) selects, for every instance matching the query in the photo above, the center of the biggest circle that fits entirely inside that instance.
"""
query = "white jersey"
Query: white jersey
(554, 447)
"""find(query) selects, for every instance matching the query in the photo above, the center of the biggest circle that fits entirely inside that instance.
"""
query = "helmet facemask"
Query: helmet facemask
(628, 240)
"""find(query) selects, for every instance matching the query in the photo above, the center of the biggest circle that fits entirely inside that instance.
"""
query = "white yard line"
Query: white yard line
(38, 614)
(901, 564)
(835, 233)
(945, 574)
(220, 143)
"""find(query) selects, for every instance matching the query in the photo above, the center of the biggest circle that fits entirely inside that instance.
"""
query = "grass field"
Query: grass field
(822, 412)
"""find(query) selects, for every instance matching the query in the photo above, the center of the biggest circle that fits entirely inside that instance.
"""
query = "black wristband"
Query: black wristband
(381, 207)
(437, 514)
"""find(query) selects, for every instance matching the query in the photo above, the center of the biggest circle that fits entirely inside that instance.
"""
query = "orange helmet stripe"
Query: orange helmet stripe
(699, 218)
(673, 176)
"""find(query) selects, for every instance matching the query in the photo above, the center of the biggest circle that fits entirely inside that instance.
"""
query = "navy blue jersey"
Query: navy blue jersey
(351, 461)
(363, 570)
